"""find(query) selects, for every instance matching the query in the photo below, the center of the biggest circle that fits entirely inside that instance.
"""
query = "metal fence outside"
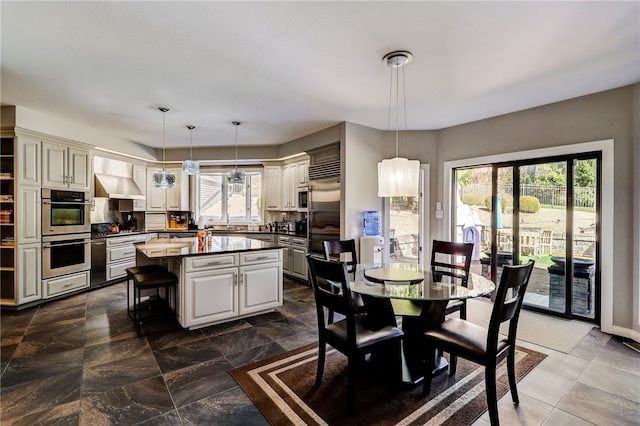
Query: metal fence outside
(547, 195)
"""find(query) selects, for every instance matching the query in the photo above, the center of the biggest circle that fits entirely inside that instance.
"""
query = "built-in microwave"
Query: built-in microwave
(65, 212)
(303, 199)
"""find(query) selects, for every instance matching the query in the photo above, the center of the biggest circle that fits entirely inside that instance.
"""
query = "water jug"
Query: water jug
(371, 222)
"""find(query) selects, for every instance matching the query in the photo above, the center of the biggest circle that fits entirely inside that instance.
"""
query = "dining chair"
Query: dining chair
(485, 346)
(333, 250)
(444, 264)
(354, 336)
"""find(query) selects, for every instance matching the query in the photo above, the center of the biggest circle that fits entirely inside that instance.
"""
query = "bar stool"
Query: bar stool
(153, 280)
(140, 270)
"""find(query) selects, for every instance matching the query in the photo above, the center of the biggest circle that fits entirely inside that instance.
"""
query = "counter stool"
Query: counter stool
(140, 270)
(153, 280)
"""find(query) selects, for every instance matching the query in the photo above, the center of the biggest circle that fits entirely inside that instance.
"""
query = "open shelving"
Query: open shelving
(7, 220)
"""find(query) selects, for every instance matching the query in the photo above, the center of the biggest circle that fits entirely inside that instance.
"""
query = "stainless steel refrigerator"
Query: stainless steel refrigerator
(324, 213)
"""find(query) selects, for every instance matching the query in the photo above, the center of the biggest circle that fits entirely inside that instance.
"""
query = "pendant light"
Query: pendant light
(190, 167)
(164, 179)
(398, 177)
(236, 176)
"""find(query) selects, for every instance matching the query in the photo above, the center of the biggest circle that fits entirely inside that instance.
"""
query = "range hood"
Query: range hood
(118, 187)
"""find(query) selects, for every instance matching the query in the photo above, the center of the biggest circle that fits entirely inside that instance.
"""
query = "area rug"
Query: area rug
(282, 388)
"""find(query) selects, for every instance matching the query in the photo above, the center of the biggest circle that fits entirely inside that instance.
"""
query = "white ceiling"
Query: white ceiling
(288, 69)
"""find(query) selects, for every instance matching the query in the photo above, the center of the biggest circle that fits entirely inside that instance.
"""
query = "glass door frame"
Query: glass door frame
(570, 160)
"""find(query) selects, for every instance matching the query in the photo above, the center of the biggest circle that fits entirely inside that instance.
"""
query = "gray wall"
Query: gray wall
(605, 115)
(636, 210)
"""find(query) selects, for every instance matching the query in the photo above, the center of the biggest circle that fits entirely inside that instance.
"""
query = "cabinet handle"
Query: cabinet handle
(261, 257)
(213, 263)
(128, 253)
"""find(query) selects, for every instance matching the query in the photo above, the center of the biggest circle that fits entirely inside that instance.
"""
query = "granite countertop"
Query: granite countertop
(160, 248)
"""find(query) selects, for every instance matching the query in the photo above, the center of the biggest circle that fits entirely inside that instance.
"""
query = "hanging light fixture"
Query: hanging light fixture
(236, 176)
(190, 167)
(164, 179)
(398, 177)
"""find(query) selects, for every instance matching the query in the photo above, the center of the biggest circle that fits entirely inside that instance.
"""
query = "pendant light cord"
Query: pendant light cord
(164, 144)
(236, 123)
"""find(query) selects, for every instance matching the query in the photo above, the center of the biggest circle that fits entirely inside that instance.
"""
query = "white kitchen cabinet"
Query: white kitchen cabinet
(273, 187)
(167, 199)
(65, 284)
(225, 286)
(29, 160)
(28, 210)
(210, 296)
(29, 273)
(65, 167)
(260, 287)
(121, 254)
(140, 178)
(294, 262)
(302, 173)
(289, 186)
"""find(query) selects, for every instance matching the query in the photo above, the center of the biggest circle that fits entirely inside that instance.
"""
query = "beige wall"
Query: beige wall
(636, 211)
(606, 115)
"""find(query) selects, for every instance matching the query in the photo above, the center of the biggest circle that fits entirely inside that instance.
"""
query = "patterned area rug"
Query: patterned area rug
(282, 387)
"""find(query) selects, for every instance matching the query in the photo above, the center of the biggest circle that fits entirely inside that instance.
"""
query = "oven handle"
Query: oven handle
(83, 203)
(49, 245)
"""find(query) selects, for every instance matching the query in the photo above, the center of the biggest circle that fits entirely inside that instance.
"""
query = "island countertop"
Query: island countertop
(162, 247)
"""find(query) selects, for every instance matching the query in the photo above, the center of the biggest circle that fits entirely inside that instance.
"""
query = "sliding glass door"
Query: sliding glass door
(542, 209)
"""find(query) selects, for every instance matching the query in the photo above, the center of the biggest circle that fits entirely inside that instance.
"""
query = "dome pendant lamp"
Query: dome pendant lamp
(164, 179)
(398, 177)
(236, 176)
(190, 167)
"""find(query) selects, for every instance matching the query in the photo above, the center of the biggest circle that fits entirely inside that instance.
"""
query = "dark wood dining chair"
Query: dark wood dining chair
(333, 251)
(444, 266)
(353, 336)
(485, 346)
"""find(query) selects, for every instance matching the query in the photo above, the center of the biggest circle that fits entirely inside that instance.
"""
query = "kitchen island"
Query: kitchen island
(225, 279)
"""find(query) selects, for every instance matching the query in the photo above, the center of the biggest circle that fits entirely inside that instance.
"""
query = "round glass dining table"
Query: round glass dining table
(420, 296)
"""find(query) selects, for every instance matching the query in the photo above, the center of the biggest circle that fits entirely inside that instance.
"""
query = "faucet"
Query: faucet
(228, 225)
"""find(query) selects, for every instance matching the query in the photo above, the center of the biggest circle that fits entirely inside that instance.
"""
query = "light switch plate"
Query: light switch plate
(438, 205)
(439, 214)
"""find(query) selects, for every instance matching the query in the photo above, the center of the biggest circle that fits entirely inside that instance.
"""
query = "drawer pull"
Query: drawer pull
(261, 257)
(214, 263)
(128, 253)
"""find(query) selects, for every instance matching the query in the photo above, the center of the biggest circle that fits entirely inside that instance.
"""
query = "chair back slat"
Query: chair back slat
(508, 301)
(333, 249)
(443, 264)
(326, 276)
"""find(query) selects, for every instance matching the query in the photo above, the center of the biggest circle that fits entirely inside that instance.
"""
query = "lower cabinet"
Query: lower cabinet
(221, 287)
(294, 262)
(64, 284)
(121, 254)
(210, 296)
(29, 273)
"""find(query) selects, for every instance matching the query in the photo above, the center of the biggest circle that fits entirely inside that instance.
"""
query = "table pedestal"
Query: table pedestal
(416, 318)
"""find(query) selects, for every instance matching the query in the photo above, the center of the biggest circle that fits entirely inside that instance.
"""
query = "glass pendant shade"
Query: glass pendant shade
(398, 177)
(190, 167)
(164, 179)
(236, 176)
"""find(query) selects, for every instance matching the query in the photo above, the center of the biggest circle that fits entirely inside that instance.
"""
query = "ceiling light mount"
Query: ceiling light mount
(397, 58)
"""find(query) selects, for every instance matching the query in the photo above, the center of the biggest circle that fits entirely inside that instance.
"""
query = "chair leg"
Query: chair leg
(322, 350)
(453, 364)
(492, 397)
(352, 374)
(463, 311)
(511, 369)
(428, 370)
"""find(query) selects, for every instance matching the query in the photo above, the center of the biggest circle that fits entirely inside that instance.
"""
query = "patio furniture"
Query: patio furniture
(546, 242)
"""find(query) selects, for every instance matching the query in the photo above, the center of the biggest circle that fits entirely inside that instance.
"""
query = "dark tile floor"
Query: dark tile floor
(80, 361)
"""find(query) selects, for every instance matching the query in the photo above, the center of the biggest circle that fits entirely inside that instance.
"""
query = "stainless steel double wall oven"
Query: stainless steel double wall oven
(66, 232)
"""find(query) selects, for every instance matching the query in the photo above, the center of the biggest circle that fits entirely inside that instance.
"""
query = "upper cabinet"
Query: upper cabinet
(167, 199)
(303, 172)
(273, 187)
(65, 167)
(29, 160)
(282, 183)
(140, 178)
